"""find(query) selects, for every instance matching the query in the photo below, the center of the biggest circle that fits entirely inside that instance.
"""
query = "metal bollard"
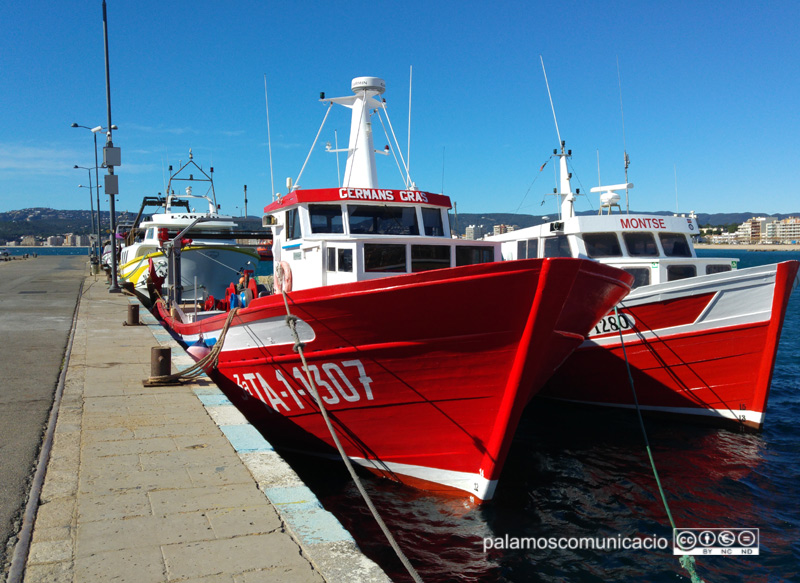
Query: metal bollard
(133, 315)
(160, 361)
(160, 367)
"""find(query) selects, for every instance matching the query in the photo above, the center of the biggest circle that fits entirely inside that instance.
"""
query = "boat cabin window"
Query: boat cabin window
(641, 275)
(340, 259)
(473, 254)
(675, 244)
(717, 268)
(602, 245)
(432, 221)
(676, 272)
(388, 258)
(640, 244)
(150, 233)
(292, 224)
(557, 246)
(528, 249)
(382, 220)
(427, 257)
(326, 218)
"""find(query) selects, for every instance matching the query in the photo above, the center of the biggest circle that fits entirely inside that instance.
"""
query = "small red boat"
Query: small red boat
(424, 348)
(700, 335)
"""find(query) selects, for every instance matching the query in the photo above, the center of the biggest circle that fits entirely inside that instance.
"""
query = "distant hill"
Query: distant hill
(45, 222)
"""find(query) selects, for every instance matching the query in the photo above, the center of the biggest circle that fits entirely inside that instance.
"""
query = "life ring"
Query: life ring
(283, 278)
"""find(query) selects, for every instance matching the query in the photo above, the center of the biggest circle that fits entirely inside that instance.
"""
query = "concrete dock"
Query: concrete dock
(169, 483)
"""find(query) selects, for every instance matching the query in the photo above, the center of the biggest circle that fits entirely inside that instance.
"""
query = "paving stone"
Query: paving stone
(273, 551)
(55, 551)
(129, 446)
(118, 505)
(141, 531)
(205, 498)
(49, 573)
(230, 522)
(127, 565)
(55, 513)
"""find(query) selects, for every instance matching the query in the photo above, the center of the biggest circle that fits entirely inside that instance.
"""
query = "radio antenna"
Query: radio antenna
(675, 170)
(558, 133)
(408, 152)
(624, 147)
(599, 182)
(269, 141)
(442, 169)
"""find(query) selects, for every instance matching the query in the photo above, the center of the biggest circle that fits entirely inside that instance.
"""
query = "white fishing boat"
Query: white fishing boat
(210, 255)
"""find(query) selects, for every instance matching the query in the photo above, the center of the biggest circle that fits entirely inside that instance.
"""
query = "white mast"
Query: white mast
(361, 171)
(565, 189)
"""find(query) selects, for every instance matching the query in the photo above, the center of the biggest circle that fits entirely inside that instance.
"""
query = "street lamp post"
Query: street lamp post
(95, 258)
(111, 158)
(94, 131)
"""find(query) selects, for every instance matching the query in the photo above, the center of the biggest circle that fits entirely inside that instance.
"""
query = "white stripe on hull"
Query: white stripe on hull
(473, 484)
(745, 415)
(741, 297)
(467, 482)
(261, 333)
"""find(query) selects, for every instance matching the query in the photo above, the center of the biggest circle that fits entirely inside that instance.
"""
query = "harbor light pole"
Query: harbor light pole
(111, 158)
(94, 131)
(94, 259)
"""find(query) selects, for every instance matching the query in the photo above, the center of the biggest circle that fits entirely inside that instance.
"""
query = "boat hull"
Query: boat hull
(425, 375)
(703, 348)
(214, 266)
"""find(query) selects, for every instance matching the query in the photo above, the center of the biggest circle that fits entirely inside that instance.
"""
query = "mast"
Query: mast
(565, 189)
(361, 170)
(565, 186)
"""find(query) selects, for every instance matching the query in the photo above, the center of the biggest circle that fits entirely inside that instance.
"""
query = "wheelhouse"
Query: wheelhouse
(653, 250)
(342, 235)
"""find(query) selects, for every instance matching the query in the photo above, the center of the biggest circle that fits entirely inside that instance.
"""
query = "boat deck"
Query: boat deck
(169, 483)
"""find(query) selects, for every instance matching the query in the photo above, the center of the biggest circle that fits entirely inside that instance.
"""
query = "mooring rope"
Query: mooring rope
(208, 361)
(686, 561)
(291, 322)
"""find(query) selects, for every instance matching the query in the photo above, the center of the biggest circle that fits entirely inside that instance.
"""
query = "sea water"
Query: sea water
(31, 251)
(262, 268)
(577, 473)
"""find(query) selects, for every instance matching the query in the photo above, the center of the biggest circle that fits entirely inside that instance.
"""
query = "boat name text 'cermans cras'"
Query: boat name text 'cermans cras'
(378, 194)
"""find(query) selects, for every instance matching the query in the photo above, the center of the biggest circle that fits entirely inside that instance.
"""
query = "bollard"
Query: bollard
(133, 315)
(160, 367)
(160, 361)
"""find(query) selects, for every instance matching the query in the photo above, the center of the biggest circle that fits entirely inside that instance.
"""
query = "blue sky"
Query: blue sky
(709, 89)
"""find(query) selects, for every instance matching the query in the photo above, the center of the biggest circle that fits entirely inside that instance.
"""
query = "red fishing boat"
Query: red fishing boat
(424, 349)
(700, 336)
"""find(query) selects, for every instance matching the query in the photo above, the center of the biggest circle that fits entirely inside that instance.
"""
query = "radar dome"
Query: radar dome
(368, 84)
(609, 198)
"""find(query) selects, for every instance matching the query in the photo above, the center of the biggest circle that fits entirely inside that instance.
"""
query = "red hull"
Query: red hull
(720, 372)
(425, 375)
